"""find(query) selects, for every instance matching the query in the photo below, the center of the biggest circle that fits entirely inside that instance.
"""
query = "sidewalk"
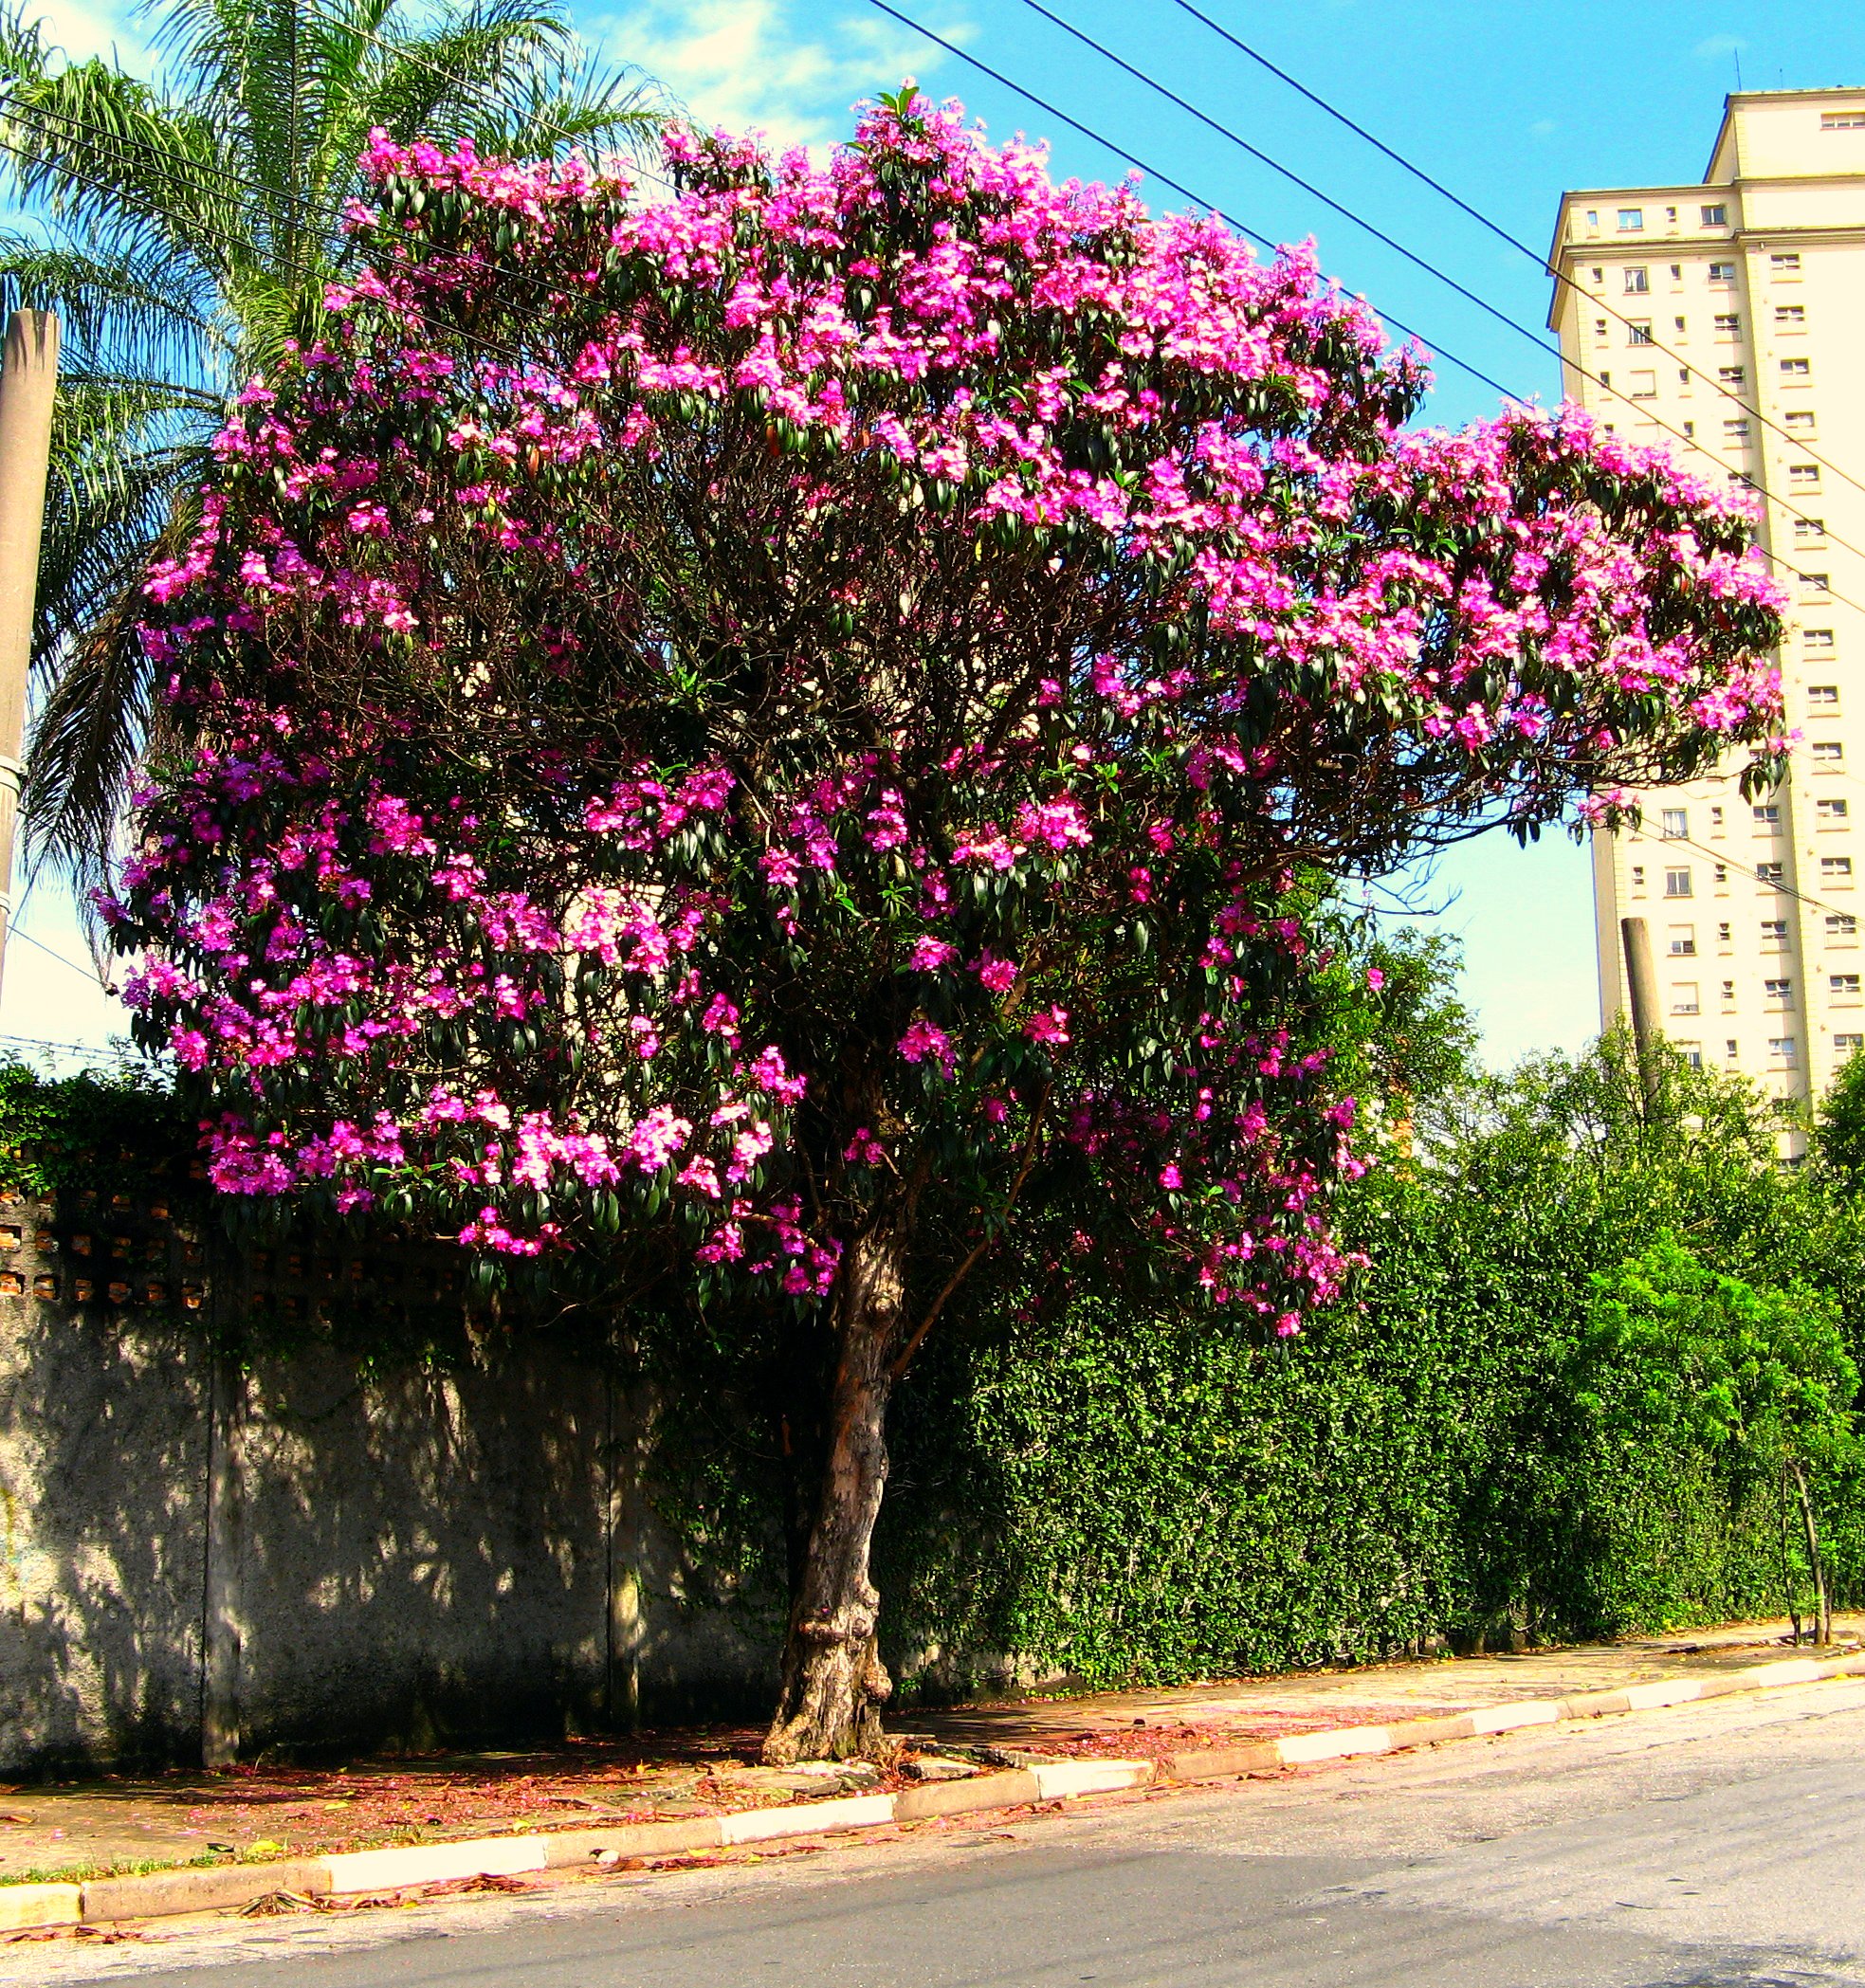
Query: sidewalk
(111, 1825)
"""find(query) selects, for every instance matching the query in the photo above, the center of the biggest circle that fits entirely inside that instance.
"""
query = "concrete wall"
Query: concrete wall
(208, 1556)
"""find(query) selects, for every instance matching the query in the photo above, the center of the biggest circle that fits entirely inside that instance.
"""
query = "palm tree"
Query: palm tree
(184, 230)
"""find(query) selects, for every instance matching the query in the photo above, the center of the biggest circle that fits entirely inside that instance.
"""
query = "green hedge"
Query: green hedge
(1130, 1499)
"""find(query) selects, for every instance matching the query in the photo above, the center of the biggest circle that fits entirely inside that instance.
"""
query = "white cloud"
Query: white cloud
(785, 68)
(84, 30)
(1717, 45)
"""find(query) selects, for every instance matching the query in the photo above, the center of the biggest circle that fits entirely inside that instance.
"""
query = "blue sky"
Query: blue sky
(1508, 104)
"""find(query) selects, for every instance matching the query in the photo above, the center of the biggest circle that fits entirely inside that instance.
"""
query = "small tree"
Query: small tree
(1676, 1354)
(785, 743)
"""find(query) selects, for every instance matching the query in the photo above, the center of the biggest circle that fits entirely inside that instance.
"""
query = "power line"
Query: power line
(1165, 179)
(1418, 262)
(90, 972)
(1772, 883)
(1496, 228)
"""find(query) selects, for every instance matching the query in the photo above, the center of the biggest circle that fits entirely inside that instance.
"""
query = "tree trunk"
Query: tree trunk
(834, 1683)
(1822, 1608)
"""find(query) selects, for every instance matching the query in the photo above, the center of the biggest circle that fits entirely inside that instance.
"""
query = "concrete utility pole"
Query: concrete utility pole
(1641, 982)
(28, 377)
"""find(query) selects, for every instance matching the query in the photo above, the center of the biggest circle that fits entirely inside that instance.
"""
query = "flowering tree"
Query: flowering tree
(786, 734)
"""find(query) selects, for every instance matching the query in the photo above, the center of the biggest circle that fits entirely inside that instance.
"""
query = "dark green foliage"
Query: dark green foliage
(102, 1132)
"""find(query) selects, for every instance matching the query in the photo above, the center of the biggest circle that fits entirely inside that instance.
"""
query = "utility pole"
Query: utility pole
(1642, 983)
(29, 377)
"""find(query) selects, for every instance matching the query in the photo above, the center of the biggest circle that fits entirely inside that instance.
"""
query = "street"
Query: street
(1716, 1846)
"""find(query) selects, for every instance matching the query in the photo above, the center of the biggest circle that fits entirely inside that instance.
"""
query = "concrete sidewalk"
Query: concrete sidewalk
(116, 1824)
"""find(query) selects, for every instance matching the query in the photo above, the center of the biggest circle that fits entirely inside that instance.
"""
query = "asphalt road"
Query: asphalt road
(1718, 1846)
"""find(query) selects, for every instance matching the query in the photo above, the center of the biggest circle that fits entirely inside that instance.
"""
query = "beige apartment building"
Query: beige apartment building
(1727, 320)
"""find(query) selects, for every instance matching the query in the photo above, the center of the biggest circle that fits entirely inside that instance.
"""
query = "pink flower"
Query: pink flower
(1048, 1024)
(995, 973)
(923, 1039)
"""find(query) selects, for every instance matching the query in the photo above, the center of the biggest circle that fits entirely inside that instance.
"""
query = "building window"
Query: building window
(1728, 325)
(1816, 583)
(1689, 431)
(1677, 884)
(1804, 476)
(1774, 933)
(1722, 272)
(1638, 332)
(1784, 262)
(1801, 419)
(1715, 818)
(1830, 814)
(1599, 275)
(1797, 369)
(1776, 989)
(1767, 814)
(1848, 1044)
(1732, 375)
(1676, 822)
(1638, 876)
(1683, 998)
(1736, 431)
(1828, 752)
(1638, 283)
(1836, 870)
(1728, 993)
(1606, 380)
(1784, 1049)
(1809, 528)
(1644, 385)
(1631, 219)
(1683, 942)
(1692, 1054)
(1823, 696)
(1842, 929)
(1593, 217)
(1790, 316)
(1816, 638)
(1842, 120)
(1722, 873)
(1844, 986)
(1600, 330)
(1730, 1049)
(1767, 873)
(1717, 216)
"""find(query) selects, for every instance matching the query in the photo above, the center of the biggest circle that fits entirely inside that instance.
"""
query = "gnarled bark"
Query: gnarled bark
(834, 1683)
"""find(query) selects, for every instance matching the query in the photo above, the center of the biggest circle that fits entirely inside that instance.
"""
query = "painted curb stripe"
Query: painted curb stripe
(1060, 1779)
(1339, 1745)
(23, 1906)
(434, 1863)
(1507, 1718)
(808, 1818)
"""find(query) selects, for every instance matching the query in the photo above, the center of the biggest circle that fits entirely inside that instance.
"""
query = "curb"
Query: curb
(165, 1893)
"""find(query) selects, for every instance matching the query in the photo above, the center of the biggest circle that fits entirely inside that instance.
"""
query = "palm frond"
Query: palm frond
(184, 234)
(149, 316)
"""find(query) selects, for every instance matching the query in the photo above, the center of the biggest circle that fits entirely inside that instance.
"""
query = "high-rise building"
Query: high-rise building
(1724, 319)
